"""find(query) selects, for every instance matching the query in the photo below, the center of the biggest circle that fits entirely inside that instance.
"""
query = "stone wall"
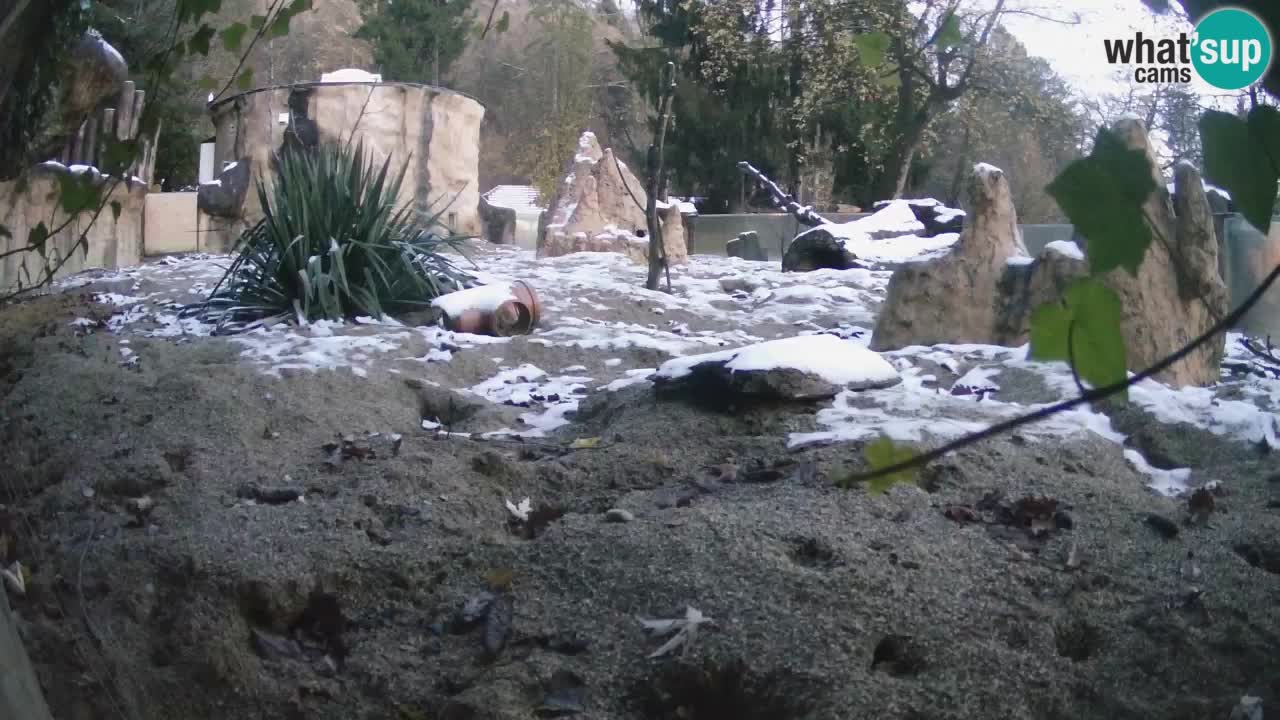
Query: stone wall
(112, 242)
(436, 130)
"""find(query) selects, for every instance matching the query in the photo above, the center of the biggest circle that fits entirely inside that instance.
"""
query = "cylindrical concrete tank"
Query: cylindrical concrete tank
(436, 130)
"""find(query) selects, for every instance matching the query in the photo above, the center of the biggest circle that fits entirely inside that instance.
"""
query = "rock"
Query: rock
(499, 223)
(741, 283)
(224, 196)
(93, 72)
(443, 405)
(953, 298)
(746, 246)
(269, 646)
(817, 249)
(1167, 528)
(936, 217)
(1163, 306)
(599, 207)
(618, 515)
(806, 367)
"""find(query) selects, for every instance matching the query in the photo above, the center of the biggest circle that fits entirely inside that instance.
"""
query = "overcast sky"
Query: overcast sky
(1076, 51)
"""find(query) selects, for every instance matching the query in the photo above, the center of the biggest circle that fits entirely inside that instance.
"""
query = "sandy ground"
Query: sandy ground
(262, 527)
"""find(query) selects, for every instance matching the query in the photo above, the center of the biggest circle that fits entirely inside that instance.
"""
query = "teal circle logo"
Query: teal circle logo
(1231, 48)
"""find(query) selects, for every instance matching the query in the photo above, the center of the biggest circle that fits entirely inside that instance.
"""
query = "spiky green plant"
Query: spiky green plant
(333, 244)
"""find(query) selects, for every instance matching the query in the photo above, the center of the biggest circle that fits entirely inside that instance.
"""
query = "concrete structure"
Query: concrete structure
(436, 131)
(523, 199)
(113, 241)
(172, 224)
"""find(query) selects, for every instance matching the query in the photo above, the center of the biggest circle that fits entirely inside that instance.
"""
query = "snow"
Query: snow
(214, 181)
(521, 198)
(350, 75)
(895, 217)
(1214, 189)
(986, 169)
(837, 361)
(1065, 248)
(596, 314)
(485, 298)
(1019, 260)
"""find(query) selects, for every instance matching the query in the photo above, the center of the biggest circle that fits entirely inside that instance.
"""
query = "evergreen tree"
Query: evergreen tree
(415, 40)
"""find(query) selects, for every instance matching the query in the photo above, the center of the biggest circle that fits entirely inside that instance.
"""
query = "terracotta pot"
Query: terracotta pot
(513, 317)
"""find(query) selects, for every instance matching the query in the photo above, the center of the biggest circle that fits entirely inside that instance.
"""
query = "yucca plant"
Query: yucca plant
(332, 244)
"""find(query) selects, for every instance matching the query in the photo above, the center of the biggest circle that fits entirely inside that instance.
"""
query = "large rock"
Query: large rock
(224, 195)
(94, 71)
(952, 298)
(936, 217)
(985, 289)
(801, 368)
(827, 246)
(599, 207)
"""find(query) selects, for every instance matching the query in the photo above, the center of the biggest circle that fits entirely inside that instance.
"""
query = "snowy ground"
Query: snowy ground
(601, 331)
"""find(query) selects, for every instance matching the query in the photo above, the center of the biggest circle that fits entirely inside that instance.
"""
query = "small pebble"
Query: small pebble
(619, 515)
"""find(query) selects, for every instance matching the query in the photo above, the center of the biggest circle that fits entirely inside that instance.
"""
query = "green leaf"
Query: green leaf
(504, 22)
(257, 21)
(299, 6)
(117, 155)
(245, 81)
(199, 42)
(949, 34)
(882, 453)
(1243, 157)
(36, 238)
(1050, 326)
(1103, 195)
(77, 192)
(872, 47)
(233, 36)
(208, 83)
(1089, 316)
(116, 209)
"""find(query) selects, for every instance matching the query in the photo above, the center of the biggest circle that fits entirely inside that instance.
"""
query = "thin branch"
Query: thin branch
(244, 57)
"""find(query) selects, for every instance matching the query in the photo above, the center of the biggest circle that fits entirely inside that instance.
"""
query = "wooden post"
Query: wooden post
(90, 142)
(124, 111)
(105, 133)
(139, 100)
(77, 144)
(152, 150)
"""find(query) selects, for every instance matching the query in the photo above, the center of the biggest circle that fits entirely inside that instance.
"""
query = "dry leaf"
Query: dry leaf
(686, 627)
(585, 443)
(499, 579)
(15, 578)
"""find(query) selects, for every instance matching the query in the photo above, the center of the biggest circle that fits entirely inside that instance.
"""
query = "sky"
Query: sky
(1076, 51)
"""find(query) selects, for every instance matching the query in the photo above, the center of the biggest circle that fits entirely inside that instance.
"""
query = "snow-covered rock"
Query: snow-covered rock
(805, 367)
(599, 207)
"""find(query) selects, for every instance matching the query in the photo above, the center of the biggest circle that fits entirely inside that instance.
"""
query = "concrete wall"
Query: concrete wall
(112, 241)
(172, 224)
(20, 695)
(436, 130)
(1245, 257)
(707, 234)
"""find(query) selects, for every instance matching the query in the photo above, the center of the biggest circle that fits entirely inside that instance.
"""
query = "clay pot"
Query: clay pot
(513, 317)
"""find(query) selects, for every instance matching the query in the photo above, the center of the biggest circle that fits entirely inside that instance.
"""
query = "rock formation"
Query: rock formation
(951, 299)
(599, 207)
(984, 289)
